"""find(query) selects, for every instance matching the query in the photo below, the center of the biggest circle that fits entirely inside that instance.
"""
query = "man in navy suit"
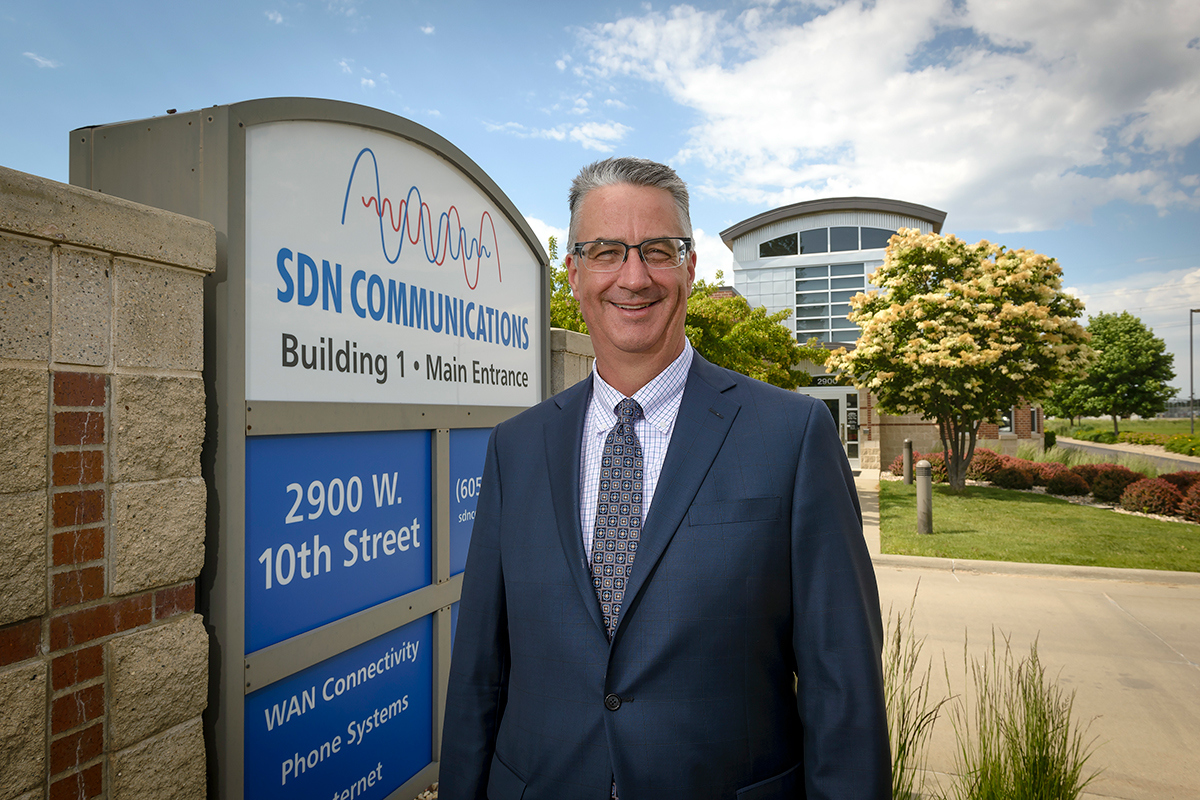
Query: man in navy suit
(711, 628)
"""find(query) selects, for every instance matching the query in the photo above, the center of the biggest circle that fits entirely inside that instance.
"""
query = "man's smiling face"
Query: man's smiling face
(635, 315)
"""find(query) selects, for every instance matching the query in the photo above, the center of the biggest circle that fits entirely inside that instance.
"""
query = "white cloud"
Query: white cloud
(427, 30)
(43, 63)
(274, 16)
(600, 136)
(712, 255)
(544, 230)
(367, 83)
(1014, 116)
(345, 65)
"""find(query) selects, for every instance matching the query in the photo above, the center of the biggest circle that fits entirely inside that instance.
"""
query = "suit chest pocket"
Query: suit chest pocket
(746, 509)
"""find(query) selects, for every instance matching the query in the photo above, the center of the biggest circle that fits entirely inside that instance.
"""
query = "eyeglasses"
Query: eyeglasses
(602, 255)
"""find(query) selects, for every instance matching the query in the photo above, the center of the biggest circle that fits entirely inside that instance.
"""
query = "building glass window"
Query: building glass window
(873, 238)
(1006, 421)
(782, 246)
(803, 273)
(846, 269)
(842, 239)
(814, 241)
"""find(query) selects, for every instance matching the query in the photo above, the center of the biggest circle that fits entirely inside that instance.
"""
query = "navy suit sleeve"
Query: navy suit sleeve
(837, 632)
(478, 672)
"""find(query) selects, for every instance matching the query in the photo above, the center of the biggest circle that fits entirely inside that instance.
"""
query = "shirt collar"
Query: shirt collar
(659, 398)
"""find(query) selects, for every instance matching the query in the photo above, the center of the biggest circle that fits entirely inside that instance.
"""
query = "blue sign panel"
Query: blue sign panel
(468, 449)
(357, 725)
(335, 523)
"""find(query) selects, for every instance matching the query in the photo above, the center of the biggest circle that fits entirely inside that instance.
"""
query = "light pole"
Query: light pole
(1191, 372)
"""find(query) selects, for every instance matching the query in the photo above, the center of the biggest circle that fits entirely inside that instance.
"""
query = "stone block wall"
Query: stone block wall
(571, 357)
(890, 432)
(103, 662)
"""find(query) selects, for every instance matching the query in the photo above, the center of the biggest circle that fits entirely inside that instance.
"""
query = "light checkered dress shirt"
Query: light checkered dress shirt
(660, 400)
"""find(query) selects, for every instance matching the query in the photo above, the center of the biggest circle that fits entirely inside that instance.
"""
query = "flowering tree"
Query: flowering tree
(957, 332)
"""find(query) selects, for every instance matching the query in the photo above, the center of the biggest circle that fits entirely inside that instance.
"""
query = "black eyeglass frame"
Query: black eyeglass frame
(577, 250)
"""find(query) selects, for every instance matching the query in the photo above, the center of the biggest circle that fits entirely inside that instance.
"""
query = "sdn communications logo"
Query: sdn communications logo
(411, 223)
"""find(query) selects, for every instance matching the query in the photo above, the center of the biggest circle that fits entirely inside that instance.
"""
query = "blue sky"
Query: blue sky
(1071, 127)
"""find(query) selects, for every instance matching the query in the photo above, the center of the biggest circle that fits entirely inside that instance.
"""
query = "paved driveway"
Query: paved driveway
(1127, 642)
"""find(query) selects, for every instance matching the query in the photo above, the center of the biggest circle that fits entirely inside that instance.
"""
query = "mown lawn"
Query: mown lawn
(1164, 425)
(1001, 525)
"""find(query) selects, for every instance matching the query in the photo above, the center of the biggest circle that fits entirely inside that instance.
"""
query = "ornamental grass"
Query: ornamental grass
(1018, 741)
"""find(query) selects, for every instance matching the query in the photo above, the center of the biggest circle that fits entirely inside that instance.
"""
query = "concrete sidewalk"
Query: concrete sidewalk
(1127, 642)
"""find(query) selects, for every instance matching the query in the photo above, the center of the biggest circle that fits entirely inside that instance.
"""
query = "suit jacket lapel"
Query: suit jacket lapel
(563, 436)
(705, 416)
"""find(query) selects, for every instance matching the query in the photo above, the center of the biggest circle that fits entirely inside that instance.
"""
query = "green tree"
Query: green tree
(1071, 399)
(958, 331)
(564, 308)
(725, 330)
(1131, 370)
(728, 332)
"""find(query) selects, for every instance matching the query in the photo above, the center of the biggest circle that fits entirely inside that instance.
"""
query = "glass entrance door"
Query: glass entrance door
(842, 402)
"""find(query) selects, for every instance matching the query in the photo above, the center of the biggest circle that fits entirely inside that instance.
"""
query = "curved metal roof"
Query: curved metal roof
(930, 215)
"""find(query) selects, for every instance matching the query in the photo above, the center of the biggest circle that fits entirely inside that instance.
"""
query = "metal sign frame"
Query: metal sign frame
(195, 164)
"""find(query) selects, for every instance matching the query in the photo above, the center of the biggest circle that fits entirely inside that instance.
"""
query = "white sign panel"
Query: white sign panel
(376, 272)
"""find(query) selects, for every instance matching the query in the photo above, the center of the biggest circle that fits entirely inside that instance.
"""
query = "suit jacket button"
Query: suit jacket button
(612, 702)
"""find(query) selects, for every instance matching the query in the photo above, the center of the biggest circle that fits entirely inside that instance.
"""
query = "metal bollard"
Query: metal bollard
(924, 497)
(908, 462)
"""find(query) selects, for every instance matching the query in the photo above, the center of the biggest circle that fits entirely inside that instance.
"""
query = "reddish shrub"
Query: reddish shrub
(1012, 478)
(1190, 507)
(1046, 472)
(1110, 482)
(1151, 496)
(984, 464)
(1182, 480)
(1089, 471)
(1067, 482)
(937, 465)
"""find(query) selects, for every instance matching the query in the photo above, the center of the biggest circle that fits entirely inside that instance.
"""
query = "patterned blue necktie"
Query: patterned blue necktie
(618, 513)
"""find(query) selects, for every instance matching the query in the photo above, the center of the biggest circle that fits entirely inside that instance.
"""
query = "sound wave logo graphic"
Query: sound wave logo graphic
(450, 240)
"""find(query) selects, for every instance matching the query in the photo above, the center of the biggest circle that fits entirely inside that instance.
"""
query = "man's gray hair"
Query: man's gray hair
(633, 171)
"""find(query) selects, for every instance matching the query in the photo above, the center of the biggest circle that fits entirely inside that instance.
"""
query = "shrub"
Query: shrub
(1190, 507)
(1067, 483)
(1038, 473)
(1142, 437)
(1110, 482)
(983, 464)
(937, 465)
(1183, 444)
(1094, 435)
(1012, 478)
(1181, 480)
(1051, 439)
(1045, 472)
(1088, 472)
(1151, 496)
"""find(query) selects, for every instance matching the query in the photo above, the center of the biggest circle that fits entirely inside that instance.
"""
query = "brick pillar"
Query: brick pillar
(103, 662)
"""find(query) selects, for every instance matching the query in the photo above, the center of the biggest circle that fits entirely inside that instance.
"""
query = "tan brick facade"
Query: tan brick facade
(886, 434)
(103, 661)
